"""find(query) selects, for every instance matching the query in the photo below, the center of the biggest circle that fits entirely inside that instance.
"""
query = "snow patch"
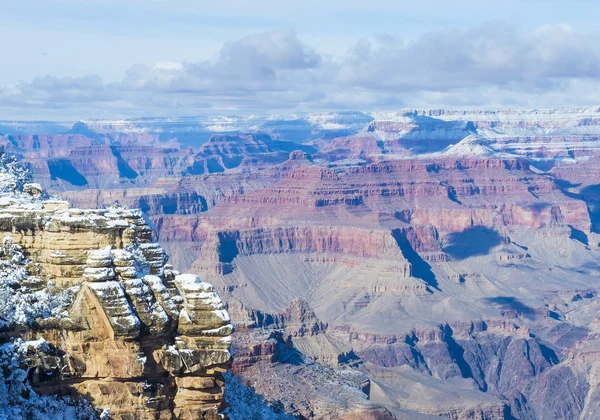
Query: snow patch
(192, 283)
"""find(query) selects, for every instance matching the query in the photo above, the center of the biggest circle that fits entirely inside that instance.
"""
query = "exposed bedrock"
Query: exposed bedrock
(446, 259)
(495, 369)
(325, 243)
(135, 336)
(277, 356)
(76, 161)
(222, 152)
(450, 194)
(152, 201)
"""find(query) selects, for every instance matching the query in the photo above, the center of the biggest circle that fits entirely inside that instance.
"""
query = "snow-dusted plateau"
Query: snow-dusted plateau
(411, 265)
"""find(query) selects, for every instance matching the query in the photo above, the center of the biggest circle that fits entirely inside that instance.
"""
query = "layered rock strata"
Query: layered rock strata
(132, 335)
(448, 256)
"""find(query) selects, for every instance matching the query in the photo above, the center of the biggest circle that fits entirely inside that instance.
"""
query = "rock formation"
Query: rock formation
(425, 262)
(132, 335)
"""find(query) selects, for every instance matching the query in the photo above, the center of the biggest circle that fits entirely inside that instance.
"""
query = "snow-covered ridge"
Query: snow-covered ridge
(488, 114)
(469, 146)
(527, 132)
(572, 120)
(61, 267)
(232, 123)
(319, 120)
(216, 123)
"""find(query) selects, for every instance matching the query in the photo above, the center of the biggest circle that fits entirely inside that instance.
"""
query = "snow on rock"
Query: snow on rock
(469, 146)
(98, 265)
(223, 314)
(122, 257)
(244, 403)
(20, 402)
(192, 283)
(148, 309)
(34, 189)
(225, 330)
(162, 295)
(100, 257)
(99, 274)
(91, 219)
(22, 301)
(120, 314)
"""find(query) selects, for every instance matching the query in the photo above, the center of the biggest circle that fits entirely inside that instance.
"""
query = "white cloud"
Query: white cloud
(491, 55)
(493, 64)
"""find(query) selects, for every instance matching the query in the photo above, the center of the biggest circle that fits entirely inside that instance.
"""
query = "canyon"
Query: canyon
(412, 264)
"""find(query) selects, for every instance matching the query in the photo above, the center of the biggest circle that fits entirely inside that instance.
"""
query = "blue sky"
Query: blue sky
(109, 58)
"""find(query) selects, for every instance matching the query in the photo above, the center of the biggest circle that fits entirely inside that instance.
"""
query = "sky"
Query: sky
(71, 59)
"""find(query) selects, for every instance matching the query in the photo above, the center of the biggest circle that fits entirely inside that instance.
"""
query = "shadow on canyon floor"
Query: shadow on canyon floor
(591, 196)
(472, 242)
(64, 169)
(420, 268)
(510, 303)
(579, 235)
(291, 356)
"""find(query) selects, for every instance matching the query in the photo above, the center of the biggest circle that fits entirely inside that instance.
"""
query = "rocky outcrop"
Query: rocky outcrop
(299, 320)
(133, 335)
(269, 362)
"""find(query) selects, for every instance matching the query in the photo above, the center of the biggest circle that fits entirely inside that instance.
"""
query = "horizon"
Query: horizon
(299, 114)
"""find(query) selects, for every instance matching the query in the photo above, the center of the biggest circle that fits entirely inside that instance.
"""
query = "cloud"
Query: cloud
(491, 55)
(55, 92)
(265, 62)
(494, 64)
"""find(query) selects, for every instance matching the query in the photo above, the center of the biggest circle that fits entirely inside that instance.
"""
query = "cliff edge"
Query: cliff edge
(94, 312)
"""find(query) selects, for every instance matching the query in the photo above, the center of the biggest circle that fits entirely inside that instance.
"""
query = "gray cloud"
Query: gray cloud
(491, 55)
(265, 62)
(494, 64)
(57, 92)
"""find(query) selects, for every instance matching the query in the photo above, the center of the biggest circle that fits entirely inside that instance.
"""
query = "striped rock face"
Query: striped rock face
(133, 335)
(448, 259)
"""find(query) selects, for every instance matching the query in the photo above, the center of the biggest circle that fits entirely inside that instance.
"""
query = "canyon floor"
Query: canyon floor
(410, 265)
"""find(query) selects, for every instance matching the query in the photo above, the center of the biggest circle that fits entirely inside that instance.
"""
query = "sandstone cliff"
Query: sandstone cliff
(120, 326)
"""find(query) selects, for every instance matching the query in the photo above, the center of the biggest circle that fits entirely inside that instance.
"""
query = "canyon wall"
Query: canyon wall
(419, 263)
